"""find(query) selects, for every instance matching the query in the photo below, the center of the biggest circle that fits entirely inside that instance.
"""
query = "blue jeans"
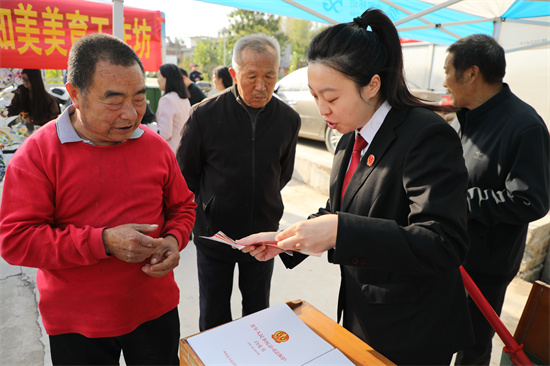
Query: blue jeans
(216, 285)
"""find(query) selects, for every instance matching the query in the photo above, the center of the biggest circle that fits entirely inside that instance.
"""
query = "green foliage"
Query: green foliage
(300, 33)
(209, 54)
(244, 22)
(54, 77)
(288, 31)
(185, 63)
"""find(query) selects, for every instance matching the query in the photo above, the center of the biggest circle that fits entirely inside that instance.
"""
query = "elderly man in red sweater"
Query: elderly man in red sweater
(97, 203)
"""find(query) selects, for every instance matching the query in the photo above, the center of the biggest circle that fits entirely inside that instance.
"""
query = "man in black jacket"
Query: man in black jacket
(196, 94)
(506, 149)
(236, 154)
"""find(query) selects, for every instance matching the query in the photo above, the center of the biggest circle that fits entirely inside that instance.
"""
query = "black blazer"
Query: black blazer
(402, 237)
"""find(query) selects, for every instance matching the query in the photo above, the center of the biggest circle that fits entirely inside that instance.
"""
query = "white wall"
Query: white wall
(527, 72)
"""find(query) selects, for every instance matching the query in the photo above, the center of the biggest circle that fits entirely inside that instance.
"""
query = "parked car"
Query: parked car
(205, 86)
(62, 96)
(293, 90)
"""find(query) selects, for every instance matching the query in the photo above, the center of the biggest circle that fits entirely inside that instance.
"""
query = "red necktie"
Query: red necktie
(359, 145)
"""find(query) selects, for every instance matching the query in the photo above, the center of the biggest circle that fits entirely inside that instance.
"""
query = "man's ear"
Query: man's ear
(472, 73)
(75, 94)
(233, 74)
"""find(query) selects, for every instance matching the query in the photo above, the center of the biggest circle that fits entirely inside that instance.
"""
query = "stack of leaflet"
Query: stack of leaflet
(274, 336)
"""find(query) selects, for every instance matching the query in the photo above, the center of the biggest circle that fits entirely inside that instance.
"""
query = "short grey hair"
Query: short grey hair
(257, 42)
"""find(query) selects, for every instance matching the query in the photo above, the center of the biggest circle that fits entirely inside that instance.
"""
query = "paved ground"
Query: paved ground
(23, 341)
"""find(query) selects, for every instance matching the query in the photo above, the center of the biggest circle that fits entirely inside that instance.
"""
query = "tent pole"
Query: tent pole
(443, 25)
(118, 19)
(398, 7)
(497, 27)
(312, 12)
(427, 11)
(527, 47)
(432, 56)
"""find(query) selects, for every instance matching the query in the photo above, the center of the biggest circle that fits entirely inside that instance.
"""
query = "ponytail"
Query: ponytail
(363, 48)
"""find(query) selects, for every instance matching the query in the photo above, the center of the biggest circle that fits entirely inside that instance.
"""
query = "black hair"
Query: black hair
(184, 72)
(482, 51)
(88, 50)
(359, 53)
(174, 80)
(35, 79)
(41, 99)
(222, 73)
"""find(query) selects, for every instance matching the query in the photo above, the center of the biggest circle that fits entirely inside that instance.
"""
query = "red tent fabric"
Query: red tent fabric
(38, 34)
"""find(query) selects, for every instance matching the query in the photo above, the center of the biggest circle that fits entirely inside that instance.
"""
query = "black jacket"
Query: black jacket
(195, 94)
(506, 149)
(39, 113)
(402, 237)
(237, 166)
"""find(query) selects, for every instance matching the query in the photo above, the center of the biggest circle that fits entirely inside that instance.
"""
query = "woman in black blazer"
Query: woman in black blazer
(398, 231)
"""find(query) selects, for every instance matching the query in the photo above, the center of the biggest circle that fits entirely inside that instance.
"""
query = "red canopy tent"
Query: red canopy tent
(38, 34)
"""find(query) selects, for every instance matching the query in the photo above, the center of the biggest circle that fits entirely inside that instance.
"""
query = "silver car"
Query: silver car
(293, 90)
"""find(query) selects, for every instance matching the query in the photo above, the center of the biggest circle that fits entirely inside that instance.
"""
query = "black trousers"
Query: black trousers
(216, 285)
(152, 343)
(494, 290)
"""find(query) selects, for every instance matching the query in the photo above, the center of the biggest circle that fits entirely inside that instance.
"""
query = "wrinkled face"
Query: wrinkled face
(343, 106)
(455, 85)
(112, 108)
(256, 77)
(161, 80)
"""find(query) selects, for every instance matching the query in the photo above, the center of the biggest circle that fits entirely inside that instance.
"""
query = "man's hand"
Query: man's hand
(165, 258)
(129, 244)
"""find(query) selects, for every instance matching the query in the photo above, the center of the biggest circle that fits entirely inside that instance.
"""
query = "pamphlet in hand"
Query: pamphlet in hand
(222, 238)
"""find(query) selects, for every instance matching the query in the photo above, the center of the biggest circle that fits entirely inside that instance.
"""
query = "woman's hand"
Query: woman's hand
(315, 235)
(255, 246)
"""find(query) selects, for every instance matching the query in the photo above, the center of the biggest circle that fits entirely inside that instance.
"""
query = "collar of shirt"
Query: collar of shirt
(66, 132)
(370, 129)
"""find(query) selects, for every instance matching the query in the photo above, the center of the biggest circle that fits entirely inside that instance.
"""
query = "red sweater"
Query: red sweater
(57, 200)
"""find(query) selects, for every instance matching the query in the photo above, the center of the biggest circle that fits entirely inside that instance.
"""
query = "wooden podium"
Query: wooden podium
(352, 347)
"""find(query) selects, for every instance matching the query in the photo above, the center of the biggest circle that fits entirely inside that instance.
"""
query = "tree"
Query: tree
(209, 53)
(296, 32)
(244, 22)
(299, 33)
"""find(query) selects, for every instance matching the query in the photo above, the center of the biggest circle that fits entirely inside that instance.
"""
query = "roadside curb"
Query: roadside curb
(312, 165)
